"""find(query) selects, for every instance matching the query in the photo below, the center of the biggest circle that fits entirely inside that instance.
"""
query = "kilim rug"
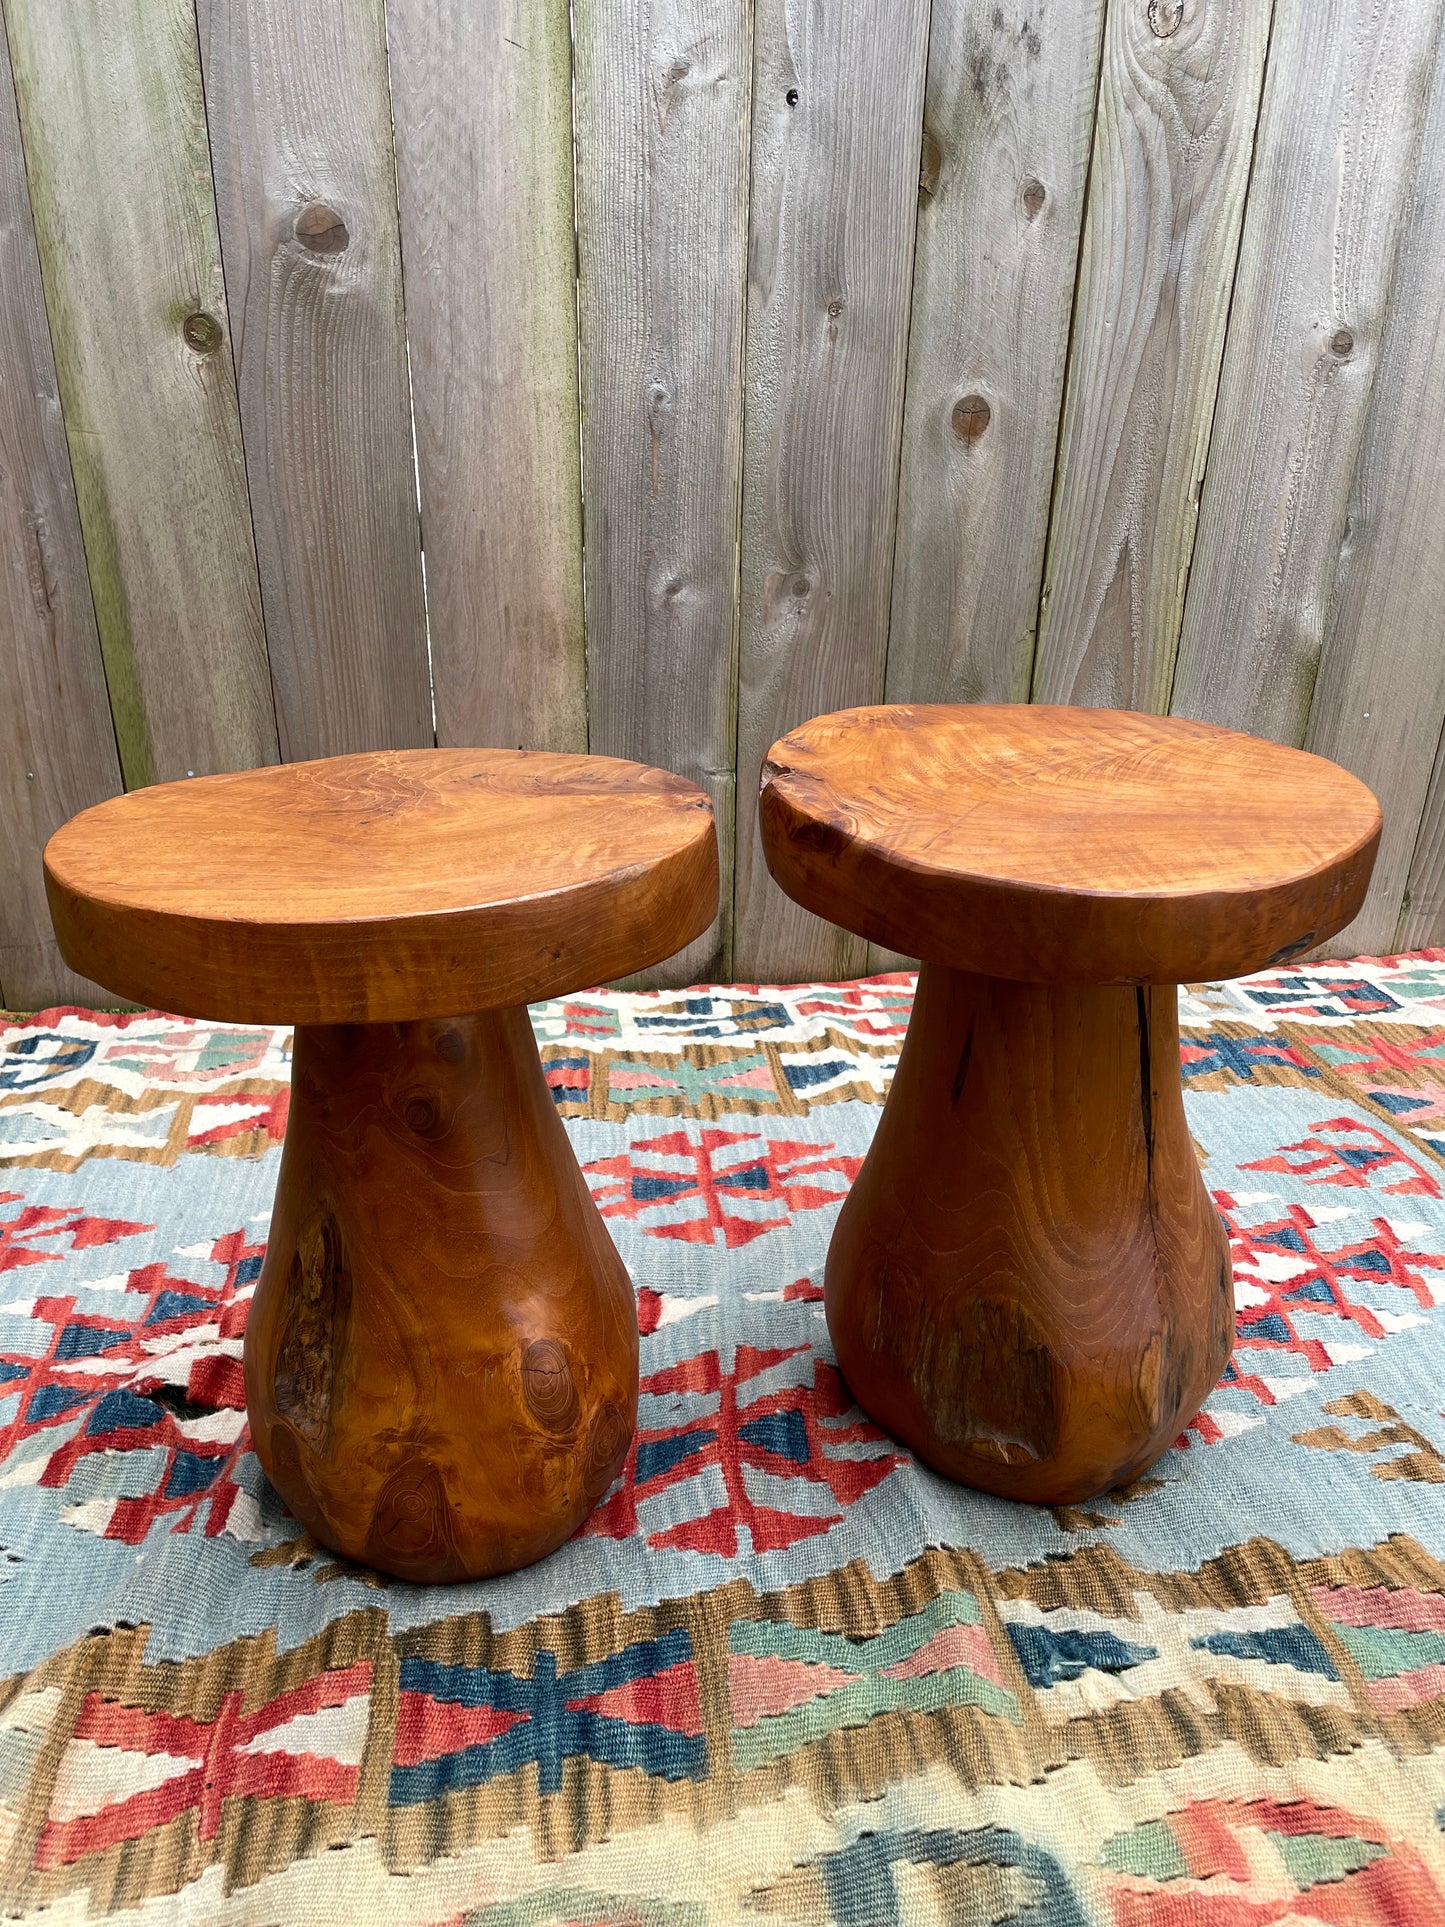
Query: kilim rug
(785, 1674)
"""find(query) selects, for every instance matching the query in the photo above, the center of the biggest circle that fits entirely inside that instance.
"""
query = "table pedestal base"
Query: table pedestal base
(441, 1359)
(1028, 1282)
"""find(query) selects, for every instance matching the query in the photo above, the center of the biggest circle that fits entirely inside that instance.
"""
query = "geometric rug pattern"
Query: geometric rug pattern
(784, 1674)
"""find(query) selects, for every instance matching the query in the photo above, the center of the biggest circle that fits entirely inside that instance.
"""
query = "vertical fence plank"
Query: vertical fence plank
(836, 137)
(1422, 914)
(482, 104)
(1379, 701)
(1337, 141)
(300, 128)
(1008, 116)
(114, 130)
(662, 180)
(57, 750)
(1178, 101)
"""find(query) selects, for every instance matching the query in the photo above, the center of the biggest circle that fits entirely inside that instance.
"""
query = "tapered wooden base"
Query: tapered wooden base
(441, 1359)
(1028, 1282)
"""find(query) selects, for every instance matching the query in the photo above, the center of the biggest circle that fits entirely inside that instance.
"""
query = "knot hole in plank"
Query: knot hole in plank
(971, 416)
(321, 229)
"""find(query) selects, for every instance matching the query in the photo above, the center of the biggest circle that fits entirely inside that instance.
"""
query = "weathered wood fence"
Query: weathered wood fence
(395, 371)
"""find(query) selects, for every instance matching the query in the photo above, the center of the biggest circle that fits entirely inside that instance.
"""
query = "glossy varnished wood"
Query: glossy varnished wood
(1028, 1282)
(384, 887)
(441, 1358)
(1060, 845)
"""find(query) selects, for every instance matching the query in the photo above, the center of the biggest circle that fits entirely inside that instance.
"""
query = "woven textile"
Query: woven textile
(784, 1674)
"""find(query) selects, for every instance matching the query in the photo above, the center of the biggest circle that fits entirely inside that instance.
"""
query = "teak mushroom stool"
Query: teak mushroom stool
(1028, 1282)
(441, 1356)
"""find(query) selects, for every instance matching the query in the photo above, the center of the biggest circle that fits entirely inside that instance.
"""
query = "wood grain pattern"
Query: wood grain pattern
(481, 98)
(1008, 113)
(1330, 185)
(114, 129)
(1059, 845)
(662, 182)
(300, 134)
(441, 1357)
(1028, 1283)
(1379, 700)
(380, 887)
(57, 749)
(1422, 912)
(1178, 100)
(836, 119)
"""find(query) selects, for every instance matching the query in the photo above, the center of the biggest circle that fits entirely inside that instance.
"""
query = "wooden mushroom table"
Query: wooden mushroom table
(1028, 1282)
(441, 1357)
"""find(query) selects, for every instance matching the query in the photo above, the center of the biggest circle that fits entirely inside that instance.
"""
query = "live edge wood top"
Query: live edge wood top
(383, 887)
(1066, 845)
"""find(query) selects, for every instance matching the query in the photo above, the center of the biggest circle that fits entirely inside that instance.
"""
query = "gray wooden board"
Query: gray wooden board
(1338, 135)
(300, 130)
(1379, 700)
(481, 99)
(1178, 101)
(57, 748)
(662, 180)
(1008, 114)
(836, 141)
(1008, 118)
(1422, 913)
(114, 130)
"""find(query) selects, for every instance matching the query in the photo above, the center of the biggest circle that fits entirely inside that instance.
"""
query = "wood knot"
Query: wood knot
(1165, 17)
(318, 1304)
(1034, 195)
(202, 332)
(791, 97)
(971, 416)
(548, 1385)
(1342, 343)
(422, 1114)
(452, 1047)
(608, 1437)
(321, 229)
(413, 1517)
(930, 164)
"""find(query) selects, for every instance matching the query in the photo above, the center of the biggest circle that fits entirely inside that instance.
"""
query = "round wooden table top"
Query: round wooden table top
(1057, 845)
(383, 887)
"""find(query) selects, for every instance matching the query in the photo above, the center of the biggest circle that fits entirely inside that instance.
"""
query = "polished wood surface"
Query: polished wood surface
(1060, 845)
(384, 887)
(441, 1357)
(1028, 1282)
